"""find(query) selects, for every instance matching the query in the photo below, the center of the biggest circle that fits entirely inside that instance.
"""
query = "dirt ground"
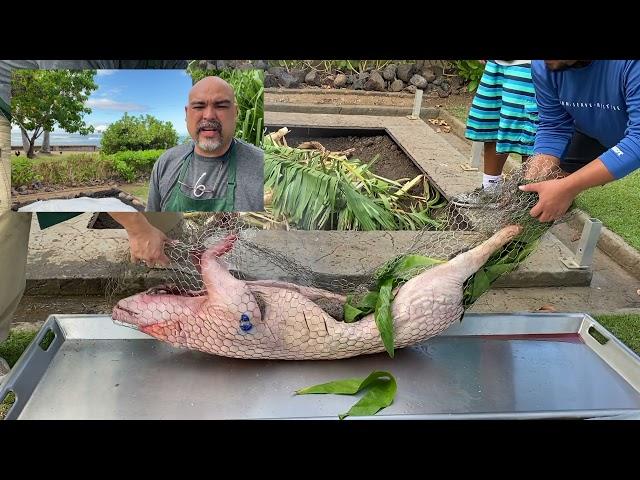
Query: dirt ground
(34, 195)
(350, 97)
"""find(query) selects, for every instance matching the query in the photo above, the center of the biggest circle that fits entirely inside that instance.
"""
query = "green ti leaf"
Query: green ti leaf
(504, 260)
(382, 388)
(378, 301)
(383, 316)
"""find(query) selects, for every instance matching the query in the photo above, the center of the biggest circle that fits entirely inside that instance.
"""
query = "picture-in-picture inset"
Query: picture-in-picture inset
(136, 140)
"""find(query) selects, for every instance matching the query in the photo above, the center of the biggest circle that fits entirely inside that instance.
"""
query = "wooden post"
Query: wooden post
(476, 154)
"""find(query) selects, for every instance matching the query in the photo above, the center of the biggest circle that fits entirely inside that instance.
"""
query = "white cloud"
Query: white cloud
(112, 92)
(105, 72)
(106, 104)
(100, 128)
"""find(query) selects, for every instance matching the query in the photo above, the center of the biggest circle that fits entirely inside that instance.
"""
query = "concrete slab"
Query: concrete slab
(70, 259)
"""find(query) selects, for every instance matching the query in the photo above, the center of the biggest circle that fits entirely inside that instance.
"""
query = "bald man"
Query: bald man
(215, 172)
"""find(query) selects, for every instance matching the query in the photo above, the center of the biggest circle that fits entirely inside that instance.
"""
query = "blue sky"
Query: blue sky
(161, 93)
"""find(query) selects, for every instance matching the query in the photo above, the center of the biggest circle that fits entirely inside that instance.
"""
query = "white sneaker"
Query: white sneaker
(478, 198)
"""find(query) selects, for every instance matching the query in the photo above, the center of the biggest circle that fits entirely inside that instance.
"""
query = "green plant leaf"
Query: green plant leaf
(481, 283)
(316, 192)
(353, 313)
(409, 265)
(383, 317)
(379, 396)
(382, 390)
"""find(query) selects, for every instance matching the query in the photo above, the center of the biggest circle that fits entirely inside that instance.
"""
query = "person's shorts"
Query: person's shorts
(582, 150)
(504, 109)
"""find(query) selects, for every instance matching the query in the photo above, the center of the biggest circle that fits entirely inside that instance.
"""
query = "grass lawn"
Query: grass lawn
(625, 328)
(139, 190)
(15, 344)
(616, 205)
(459, 111)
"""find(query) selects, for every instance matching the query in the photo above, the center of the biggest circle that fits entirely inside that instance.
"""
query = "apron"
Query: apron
(179, 202)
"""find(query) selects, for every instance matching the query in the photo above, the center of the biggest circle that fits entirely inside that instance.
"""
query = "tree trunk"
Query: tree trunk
(31, 152)
(25, 140)
(46, 148)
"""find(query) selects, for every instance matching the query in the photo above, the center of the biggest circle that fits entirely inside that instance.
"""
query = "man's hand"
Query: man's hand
(145, 241)
(554, 199)
(556, 195)
(148, 246)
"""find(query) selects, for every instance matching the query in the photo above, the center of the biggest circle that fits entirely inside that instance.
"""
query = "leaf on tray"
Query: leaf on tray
(381, 387)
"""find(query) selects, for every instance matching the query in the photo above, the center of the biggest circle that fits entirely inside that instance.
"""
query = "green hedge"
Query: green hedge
(84, 167)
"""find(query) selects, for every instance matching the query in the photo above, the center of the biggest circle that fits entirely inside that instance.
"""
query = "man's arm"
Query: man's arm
(555, 125)
(146, 241)
(624, 158)
(556, 195)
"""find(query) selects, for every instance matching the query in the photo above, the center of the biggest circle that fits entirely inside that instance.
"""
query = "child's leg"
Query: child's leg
(493, 165)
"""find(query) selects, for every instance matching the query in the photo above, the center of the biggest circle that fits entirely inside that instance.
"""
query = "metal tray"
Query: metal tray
(487, 366)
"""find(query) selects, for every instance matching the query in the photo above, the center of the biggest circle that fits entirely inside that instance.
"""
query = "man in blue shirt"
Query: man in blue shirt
(589, 126)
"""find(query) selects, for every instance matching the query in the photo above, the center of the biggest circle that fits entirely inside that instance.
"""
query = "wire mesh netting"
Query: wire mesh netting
(229, 292)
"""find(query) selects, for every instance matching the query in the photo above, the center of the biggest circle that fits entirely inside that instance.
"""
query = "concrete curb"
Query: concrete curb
(611, 243)
(61, 270)
(377, 110)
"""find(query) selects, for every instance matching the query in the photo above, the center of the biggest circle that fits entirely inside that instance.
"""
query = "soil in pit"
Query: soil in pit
(392, 162)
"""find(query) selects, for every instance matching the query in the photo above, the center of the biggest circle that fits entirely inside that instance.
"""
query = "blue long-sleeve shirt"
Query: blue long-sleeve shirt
(601, 100)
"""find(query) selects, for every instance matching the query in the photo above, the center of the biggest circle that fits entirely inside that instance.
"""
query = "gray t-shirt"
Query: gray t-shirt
(212, 173)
